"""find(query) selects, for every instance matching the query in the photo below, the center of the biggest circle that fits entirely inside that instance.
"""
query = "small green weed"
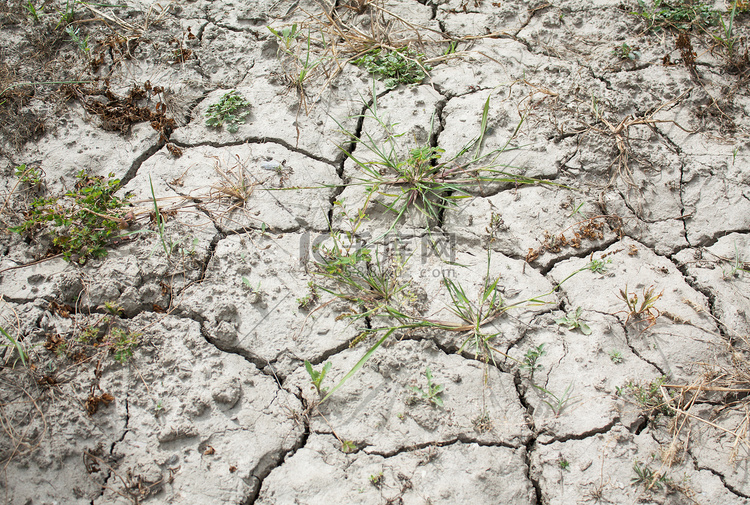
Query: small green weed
(75, 36)
(310, 299)
(432, 392)
(625, 52)
(737, 266)
(121, 343)
(348, 447)
(531, 358)
(317, 377)
(645, 310)
(573, 321)
(68, 14)
(425, 179)
(231, 109)
(33, 11)
(615, 356)
(563, 463)
(286, 36)
(395, 67)
(160, 222)
(681, 15)
(599, 266)
(30, 176)
(555, 402)
(114, 309)
(726, 36)
(648, 478)
(377, 291)
(83, 221)
(303, 70)
(377, 479)
(649, 396)
(452, 47)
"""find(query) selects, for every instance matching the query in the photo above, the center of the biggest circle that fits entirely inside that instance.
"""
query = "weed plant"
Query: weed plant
(379, 293)
(641, 309)
(678, 15)
(649, 396)
(231, 109)
(647, 478)
(286, 37)
(81, 42)
(160, 223)
(401, 66)
(531, 358)
(317, 377)
(556, 402)
(34, 12)
(83, 221)
(29, 176)
(737, 266)
(625, 52)
(424, 179)
(573, 321)
(121, 343)
(432, 392)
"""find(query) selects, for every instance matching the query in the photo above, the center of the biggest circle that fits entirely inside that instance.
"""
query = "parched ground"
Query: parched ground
(514, 272)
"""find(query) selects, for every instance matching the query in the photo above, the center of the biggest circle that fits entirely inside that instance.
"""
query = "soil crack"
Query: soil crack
(586, 434)
(257, 140)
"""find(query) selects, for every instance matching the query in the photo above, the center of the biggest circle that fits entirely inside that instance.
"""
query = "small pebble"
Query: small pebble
(271, 165)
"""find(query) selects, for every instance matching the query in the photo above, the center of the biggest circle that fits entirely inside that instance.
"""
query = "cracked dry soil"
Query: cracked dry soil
(611, 156)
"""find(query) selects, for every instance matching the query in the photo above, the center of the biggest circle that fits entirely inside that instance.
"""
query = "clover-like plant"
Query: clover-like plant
(395, 67)
(231, 109)
(83, 221)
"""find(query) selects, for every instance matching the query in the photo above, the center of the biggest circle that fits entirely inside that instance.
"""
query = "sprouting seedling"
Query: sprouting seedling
(625, 52)
(615, 356)
(286, 36)
(573, 321)
(159, 220)
(531, 358)
(728, 38)
(348, 446)
(737, 265)
(433, 391)
(317, 377)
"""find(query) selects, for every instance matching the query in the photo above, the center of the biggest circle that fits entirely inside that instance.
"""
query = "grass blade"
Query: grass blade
(361, 362)
(17, 345)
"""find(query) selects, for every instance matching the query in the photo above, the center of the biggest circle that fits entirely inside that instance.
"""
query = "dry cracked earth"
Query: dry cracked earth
(524, 273)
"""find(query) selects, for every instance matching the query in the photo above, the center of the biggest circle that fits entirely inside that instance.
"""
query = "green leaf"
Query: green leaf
(360, 363)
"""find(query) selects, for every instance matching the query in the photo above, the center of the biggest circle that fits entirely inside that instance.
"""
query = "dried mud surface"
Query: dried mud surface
(172, 369)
